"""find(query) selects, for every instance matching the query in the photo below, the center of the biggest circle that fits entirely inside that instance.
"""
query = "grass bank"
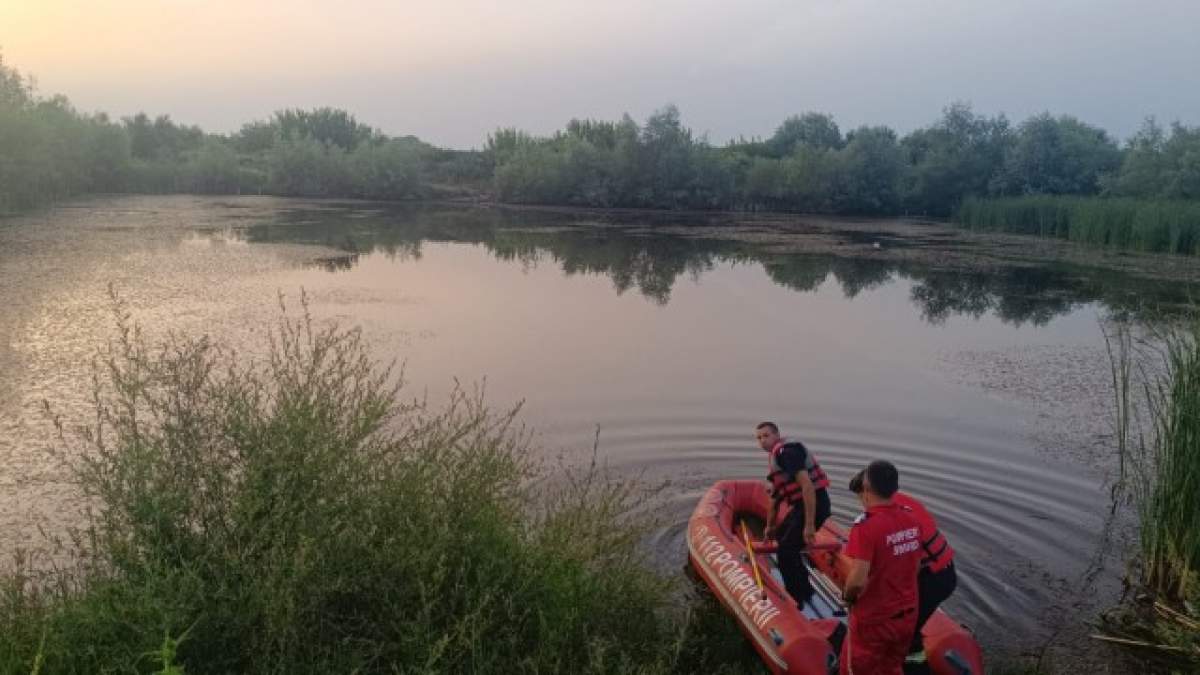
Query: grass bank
(296, 514)
(1161, 226)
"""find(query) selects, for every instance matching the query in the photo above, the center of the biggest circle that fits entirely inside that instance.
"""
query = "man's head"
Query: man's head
(876, 483)
(856, 482)
(767, 435)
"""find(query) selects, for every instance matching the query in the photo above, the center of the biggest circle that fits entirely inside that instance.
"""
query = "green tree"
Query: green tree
(812, 130)
(766, 184)
(22, 165)
(626, 160)
(955, 158)
(325, 125)
(106, 156)
(599, 133)
(161, 139)
(716, 178)
(667, 148)
(256, 137)
(870, 168)
(1058, 155)
(389, 170)
(1181, 157)
(1143, 165)
(535, 173)
(214, 169)
(15, 92)
(503, 145)
(308, 168)
(588, 170)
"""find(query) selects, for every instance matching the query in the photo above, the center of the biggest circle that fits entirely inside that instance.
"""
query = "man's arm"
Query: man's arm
(856, 581)
(809, 494)
(769, 531)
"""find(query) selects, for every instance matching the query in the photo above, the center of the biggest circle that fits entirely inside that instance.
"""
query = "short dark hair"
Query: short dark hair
(856, 483)
(770, 425)
(883, 478)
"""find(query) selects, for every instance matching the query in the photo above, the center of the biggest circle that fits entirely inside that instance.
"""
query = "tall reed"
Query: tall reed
(1143, 225)
(1156, 387)
(1156, 380)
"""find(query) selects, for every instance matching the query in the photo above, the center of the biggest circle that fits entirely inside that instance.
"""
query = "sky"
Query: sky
(452, 71)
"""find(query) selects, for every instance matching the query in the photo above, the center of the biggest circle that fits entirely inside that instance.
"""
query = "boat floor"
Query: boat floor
(826, 602)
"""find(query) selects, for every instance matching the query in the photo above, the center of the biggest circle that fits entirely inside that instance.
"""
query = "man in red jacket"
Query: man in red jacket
(937, 578)
(881, 589)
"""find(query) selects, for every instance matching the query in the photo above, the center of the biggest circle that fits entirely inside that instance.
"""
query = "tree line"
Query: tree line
(809, 165)
(49, 150)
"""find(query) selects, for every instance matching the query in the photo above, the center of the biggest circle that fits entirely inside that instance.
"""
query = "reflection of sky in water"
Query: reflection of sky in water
(675, 347)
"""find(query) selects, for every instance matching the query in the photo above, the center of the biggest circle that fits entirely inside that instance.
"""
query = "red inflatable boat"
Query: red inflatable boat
(791, 640)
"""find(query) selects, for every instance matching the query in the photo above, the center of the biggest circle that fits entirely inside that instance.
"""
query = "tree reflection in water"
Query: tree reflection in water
(638, 254)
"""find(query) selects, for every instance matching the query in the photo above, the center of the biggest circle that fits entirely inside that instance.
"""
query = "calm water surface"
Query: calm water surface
(675, 346)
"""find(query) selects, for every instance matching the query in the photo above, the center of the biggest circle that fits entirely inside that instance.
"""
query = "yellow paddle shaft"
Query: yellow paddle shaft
(753, 560)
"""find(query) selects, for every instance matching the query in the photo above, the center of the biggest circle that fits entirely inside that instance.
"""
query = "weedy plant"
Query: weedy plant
(294, 514)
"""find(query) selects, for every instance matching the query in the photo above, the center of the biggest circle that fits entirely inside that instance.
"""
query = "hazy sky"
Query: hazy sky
(452, 71)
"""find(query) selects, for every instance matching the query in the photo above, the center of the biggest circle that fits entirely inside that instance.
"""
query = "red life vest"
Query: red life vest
(785, 484)
(936, 550)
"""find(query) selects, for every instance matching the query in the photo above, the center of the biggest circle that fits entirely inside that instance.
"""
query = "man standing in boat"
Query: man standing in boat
(937, 578)
(797, 480)
(881, 589)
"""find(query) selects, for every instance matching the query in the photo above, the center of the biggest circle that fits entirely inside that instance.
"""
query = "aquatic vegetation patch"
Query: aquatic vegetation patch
(1149, 225)
(1156, 378)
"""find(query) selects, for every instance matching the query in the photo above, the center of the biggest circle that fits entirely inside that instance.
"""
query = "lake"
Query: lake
(980, 373)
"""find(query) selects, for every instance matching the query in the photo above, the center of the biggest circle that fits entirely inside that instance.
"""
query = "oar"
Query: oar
(771, 546)
(753, 561)
(849, 647)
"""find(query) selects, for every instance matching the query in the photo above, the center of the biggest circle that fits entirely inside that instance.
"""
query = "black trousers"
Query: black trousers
(932, 590)
(791, 548)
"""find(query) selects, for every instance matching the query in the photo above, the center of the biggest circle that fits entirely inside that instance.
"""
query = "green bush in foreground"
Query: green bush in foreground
(292, 515)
